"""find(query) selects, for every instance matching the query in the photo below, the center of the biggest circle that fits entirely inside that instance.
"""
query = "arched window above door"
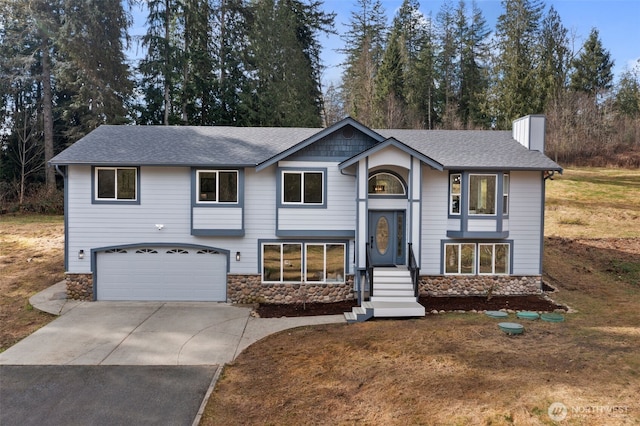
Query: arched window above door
(385, 183)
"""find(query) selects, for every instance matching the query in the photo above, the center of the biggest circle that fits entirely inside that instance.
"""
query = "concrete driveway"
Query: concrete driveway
(135, 333)
(149, 333)
(128, 362)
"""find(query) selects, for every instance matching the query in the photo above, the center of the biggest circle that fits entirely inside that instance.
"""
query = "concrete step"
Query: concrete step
(393, 292)
(393, 286)
(397, 309)
(392, 280)
(359, 310)
(394, 299)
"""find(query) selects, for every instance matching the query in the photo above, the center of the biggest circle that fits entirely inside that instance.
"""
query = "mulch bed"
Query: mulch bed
(478, 303)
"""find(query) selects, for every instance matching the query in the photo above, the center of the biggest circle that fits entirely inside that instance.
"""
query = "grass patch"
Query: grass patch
(572, 221)
(593, 202)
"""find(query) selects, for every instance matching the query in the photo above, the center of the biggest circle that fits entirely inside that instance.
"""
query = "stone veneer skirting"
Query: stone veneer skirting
(79, 286)
(245, 289)
(480, 285)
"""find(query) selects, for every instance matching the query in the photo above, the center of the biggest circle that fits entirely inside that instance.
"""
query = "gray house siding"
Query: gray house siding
(525, 221)
(166, 211)
(435, 207)
(337, 215)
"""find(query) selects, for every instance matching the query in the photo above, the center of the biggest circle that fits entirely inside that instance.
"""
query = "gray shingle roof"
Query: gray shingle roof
(181, 145)
(249, 146)
(479, 149)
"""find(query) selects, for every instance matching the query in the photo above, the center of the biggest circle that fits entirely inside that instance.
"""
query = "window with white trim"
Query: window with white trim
(324, 262)
(485, 258)
(493, 259)
(302, 187)
(303, 262)
(460, 259)
(116, 183)
(384, 183)
(217, 186)
(455, 184)
(505, 194)
(482, 194)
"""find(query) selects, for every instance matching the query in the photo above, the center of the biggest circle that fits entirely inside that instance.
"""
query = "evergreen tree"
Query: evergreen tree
(364, 47)
(627, 100)
(284, 62)
(592, 68)
(474, 79)
(231, 48)
(554, 58)
(197, 97)
(389, 85)
(447, 65)
(95, 75)
(417, 52)
(163, 64)
(517, 33)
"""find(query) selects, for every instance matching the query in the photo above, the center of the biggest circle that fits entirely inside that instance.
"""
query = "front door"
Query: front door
(387, 237)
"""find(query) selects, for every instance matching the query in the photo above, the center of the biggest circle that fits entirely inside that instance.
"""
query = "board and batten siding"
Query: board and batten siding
(525, 221)
(435, 205)
(340, 211)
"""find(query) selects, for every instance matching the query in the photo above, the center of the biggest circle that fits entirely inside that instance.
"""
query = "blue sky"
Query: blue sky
(618, 22)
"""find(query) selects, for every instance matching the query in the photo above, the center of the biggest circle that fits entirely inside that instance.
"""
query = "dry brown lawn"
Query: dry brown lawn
(31, 259)
(460, 369)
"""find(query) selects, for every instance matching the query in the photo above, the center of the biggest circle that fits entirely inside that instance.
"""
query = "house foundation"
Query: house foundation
(79, 286)
(247, 289)
(479, 285)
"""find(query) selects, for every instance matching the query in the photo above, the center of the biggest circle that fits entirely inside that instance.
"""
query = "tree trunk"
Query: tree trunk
(47, 116)
(167, 86)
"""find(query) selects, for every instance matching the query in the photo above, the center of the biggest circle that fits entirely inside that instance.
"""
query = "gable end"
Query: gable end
(342, 144)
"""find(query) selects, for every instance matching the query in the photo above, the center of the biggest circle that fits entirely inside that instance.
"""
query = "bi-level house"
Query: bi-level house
(247, 215)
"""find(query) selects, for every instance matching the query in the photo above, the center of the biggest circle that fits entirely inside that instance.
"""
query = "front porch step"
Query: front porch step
(398, 309)
(393, 296)
(359, 313)
(385, 309)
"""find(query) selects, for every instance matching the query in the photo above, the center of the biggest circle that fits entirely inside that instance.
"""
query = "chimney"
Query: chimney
(529, 131)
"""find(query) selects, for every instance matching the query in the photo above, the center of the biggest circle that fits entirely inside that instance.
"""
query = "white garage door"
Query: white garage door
(161, 273)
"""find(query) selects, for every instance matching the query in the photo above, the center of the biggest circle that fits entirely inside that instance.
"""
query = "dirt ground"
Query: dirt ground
(447, 304)
(31, 259)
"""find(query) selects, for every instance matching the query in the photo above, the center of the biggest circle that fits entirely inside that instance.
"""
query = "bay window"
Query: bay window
(482, 194)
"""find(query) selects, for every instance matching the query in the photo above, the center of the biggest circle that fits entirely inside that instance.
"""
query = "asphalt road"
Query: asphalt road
(102, 395)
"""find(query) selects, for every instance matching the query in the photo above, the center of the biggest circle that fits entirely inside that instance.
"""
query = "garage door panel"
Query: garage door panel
(159, 273)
